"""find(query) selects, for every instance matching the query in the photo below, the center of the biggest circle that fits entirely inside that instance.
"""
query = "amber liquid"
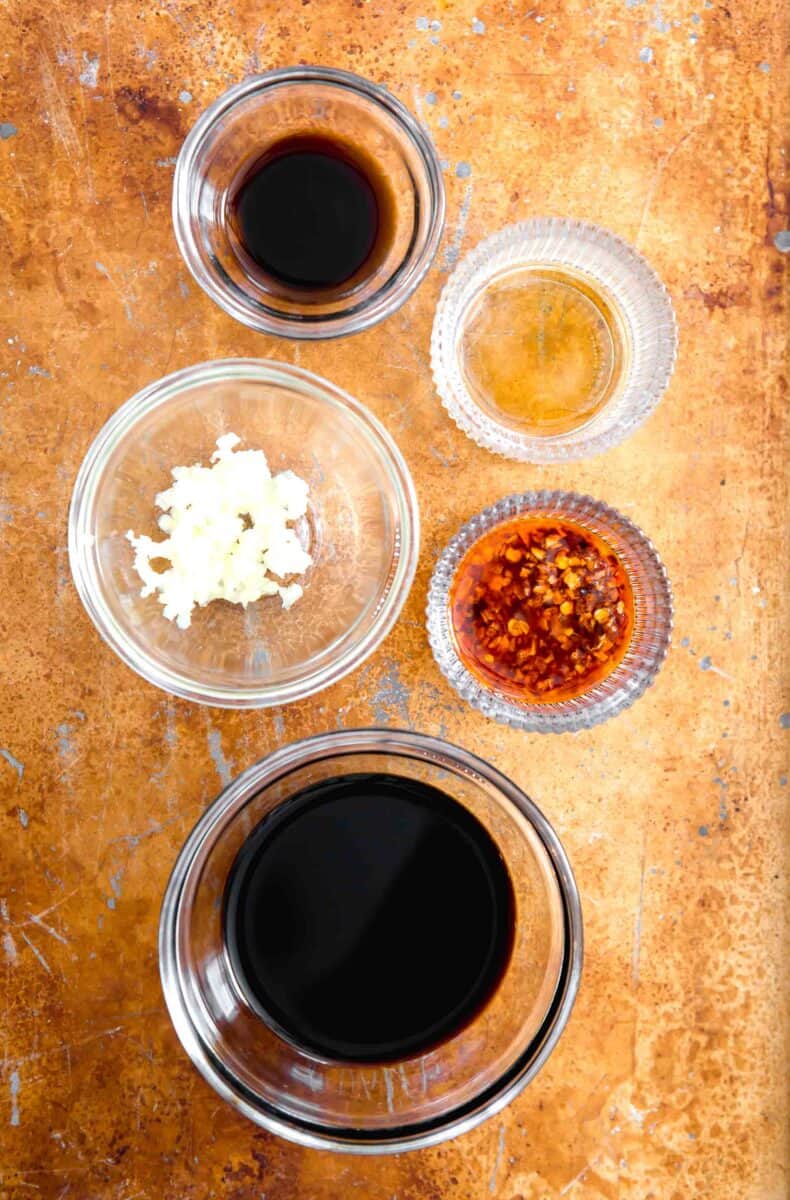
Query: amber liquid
(542, 610)
(544, 350)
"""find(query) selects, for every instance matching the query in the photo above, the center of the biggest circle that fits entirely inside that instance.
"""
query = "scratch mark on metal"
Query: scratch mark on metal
(37, 952)
(661, 167)
(48, 929)
(132, 840)
(125, 298)
(13, 762)
(89, 75)
(50, 908)
(454, 249)
(572, 1183)
(65, 744)
(391, 695)
(224, 765)
(171, 736)
(443, 458)
(498, 1159)
(60, 120)
(14, 1088)
(9, 946)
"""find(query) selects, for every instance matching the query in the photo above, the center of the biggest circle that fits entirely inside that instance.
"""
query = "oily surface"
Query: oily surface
(660, 121)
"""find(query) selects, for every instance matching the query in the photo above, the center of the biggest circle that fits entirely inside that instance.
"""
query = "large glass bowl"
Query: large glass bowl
(362, 529)
(238, 128)
(369, 1108)
(650, 638)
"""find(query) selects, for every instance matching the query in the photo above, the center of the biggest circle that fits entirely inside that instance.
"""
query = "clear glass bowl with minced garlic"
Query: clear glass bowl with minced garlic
(550, 611)
(360, 532)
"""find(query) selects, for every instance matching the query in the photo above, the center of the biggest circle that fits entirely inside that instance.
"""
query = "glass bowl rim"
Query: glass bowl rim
(80, 536)
(590, 708)
(231, 801)
(481, 426)
(383, 302)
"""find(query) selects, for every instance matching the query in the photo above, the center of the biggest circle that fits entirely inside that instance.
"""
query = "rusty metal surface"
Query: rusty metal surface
(656, 120)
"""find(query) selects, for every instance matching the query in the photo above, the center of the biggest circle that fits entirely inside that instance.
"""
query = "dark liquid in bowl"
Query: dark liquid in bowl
(369, 918)
(313, 212)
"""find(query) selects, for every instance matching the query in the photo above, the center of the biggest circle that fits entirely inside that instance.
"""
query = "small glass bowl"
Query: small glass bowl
(361, 527)
(650, 638)
(370, 1108)
(596, 260)
(238, 127)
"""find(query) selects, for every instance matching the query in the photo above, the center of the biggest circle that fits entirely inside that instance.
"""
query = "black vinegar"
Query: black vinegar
(313, 213)
(369, 918)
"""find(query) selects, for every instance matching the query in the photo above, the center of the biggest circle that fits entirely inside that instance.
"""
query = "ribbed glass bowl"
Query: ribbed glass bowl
(652, 617)
(372, 1108)
(361, 527)
(631, 288)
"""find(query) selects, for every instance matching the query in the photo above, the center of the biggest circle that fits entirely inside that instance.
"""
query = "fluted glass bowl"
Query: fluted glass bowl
(650, 637)
(593, 259)
(419, 1100)
(361, 528)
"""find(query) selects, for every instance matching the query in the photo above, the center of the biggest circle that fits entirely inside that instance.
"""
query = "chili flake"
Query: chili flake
(542, 609)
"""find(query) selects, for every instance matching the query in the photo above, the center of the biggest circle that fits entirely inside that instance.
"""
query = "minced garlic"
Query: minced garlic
(228, 534)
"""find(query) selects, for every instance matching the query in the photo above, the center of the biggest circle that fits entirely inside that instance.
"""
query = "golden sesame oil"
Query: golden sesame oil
(543, 350)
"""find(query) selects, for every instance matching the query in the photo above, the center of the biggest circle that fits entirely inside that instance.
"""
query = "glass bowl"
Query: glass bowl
(370, 1108)
(238, 127)
(608, 297)
(650, 637)
(361, 527)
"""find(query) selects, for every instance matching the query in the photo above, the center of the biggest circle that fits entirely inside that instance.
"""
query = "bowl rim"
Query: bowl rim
(383, 303)
(341, 743)
(510, 249)
(81, 540)
(611, 695)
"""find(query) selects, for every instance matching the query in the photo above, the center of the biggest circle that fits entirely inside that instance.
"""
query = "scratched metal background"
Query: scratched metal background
(657, 119)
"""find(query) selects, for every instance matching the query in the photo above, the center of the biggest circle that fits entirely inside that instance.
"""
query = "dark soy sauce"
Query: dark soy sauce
(369, 918)
(312, 212)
